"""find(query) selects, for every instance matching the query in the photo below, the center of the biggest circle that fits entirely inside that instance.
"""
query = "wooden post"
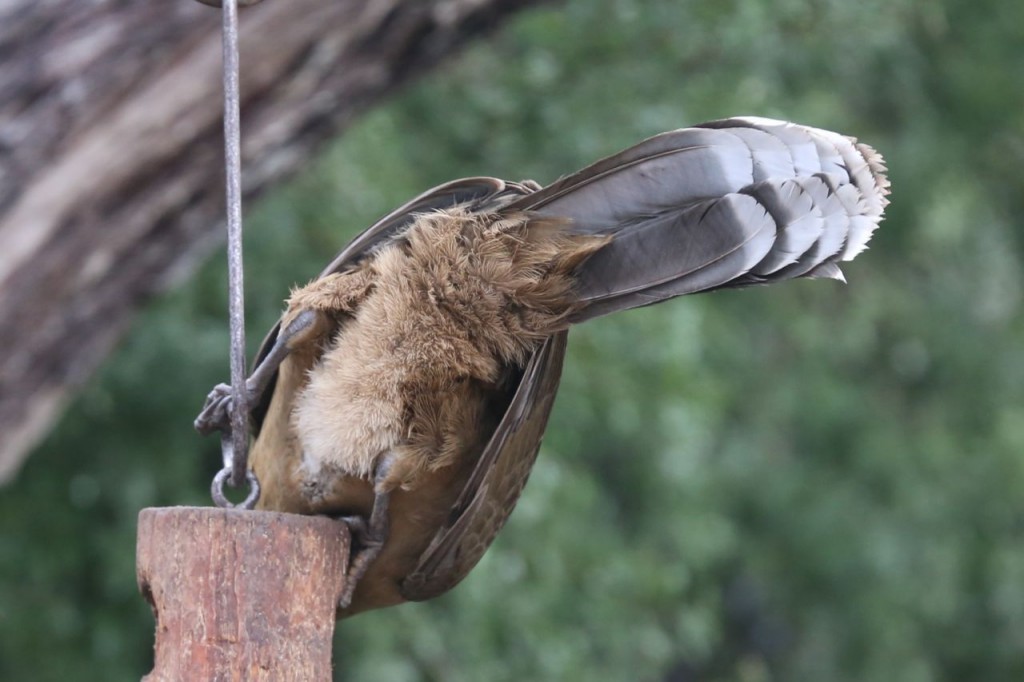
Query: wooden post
(241, 595)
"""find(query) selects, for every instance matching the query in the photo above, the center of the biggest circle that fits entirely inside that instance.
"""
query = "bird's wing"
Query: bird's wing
(478, 194)
(729, 203)
(496, 482)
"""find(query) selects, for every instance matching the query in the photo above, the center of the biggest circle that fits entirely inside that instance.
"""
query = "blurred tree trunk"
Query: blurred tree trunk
(111, 175)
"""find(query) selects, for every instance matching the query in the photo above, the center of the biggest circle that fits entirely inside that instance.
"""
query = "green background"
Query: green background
(808, 482)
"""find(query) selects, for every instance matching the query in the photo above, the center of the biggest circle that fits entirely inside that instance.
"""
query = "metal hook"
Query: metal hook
(217, 490)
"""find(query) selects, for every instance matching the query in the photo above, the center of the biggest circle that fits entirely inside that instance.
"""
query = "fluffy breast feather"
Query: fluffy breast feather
(456, 301)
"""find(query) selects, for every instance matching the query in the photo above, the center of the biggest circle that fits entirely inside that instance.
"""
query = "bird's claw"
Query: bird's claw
(359, 531)
(358, 527)
(216, 412)
(357, 568)
(369, 534)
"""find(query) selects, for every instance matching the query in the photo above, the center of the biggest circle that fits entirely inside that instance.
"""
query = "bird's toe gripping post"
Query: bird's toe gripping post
(370, 535)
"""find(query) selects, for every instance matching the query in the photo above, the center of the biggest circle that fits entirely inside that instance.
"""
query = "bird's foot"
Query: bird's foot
(370, 546)
(369, 533)
(357, 527)
(220, 404)
(217, 410)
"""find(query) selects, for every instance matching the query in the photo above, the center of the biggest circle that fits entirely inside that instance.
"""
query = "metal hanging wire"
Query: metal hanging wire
(234, 442)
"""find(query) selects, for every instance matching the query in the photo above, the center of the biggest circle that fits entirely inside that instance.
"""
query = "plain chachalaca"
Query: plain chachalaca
(406, 389)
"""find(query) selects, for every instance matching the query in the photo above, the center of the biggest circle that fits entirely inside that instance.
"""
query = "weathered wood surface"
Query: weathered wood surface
(240, 595)
(111, 177)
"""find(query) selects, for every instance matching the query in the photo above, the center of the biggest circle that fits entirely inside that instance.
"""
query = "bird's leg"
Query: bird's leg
(370, 534)
(308, 309)
(216, 412)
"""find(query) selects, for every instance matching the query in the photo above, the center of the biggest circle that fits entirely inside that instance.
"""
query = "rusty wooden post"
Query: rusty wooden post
(241, 595)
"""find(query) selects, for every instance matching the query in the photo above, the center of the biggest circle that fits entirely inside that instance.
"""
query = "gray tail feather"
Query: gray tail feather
(730, 203)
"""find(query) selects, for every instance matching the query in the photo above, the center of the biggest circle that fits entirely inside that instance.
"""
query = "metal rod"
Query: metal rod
(238, 456)
(219, 3)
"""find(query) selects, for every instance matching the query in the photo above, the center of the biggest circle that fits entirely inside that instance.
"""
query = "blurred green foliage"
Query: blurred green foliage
(812, 482)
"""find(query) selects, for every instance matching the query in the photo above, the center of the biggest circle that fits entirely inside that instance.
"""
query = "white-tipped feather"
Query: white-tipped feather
(799, 222)
(796, 138)
(827, 271)
(770, 157)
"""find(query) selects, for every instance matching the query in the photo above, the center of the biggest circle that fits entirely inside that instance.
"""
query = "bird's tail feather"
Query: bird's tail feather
(730, 203)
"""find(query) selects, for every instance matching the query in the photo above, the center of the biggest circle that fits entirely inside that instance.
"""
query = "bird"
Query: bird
(406, 389)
